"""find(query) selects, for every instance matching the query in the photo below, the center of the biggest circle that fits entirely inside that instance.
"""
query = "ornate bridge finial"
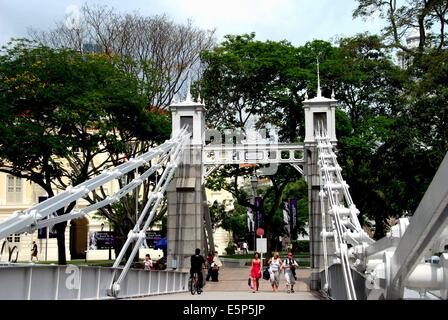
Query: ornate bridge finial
(319, 93)
(188, 99)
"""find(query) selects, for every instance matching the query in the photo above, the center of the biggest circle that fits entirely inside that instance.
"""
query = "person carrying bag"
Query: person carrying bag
(275, 266)
(290, 265)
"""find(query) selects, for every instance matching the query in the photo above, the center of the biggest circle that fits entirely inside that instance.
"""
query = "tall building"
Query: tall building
(412, 42)
(221, 237)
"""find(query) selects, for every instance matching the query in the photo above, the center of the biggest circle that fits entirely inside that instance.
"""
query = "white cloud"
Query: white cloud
(295, 20)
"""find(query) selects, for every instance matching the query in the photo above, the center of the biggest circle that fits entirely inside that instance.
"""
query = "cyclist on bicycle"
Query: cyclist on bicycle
(197, 261)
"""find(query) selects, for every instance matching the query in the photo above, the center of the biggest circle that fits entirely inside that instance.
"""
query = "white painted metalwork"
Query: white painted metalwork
(392, 266)
(137, 234)
(167, 157)
(407, 258)
(217, 154)
(50, 282)
(336, 203)
(298, 168)
(33, 218)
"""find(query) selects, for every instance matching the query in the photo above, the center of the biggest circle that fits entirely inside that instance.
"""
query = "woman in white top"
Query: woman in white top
(275, 266)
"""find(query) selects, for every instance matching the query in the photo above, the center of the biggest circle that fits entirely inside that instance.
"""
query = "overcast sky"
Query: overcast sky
(297, 21)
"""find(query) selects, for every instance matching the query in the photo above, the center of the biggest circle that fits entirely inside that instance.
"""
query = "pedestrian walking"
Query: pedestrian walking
(290, 265)
(34, 251)
(245, 247)
(275, 266)
(148, 263)
(255, 272)
(210, 258)
(216, 264)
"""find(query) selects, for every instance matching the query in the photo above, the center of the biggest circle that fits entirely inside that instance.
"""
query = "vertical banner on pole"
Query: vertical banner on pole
(250, 217)
(250, 220)
(293, 216)
(259, 212)
(286, 217)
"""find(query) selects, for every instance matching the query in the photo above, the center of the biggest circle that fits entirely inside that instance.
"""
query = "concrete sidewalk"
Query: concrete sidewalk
(232, 285)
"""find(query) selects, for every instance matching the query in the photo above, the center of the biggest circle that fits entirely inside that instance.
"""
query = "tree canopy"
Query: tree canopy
(391, 115)
(60, 109)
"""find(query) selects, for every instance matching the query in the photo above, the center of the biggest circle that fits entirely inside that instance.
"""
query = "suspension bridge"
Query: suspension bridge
(346, 263)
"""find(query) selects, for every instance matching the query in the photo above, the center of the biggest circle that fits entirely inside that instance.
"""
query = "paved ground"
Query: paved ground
(232, 285)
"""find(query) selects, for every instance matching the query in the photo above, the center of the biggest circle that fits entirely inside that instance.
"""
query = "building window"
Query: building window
(187, 121)
(13, 238)
(320, 121)
(14, 189)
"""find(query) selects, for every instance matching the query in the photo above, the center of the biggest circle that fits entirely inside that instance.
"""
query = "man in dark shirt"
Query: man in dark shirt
(197, 261)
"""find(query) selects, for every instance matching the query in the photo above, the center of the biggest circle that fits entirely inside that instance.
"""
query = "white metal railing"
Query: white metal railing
(263, 153)
(50, 282)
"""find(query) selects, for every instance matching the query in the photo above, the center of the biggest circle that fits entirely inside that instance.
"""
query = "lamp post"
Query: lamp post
(110, 243)
(254, 184)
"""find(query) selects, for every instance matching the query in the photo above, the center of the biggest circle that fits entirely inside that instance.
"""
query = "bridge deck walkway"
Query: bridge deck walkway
(232, 285)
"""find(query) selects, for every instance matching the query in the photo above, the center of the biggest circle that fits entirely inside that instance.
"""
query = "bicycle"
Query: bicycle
(10, 251)
(193, 284)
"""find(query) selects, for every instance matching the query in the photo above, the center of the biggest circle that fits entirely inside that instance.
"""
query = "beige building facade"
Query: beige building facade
(221, 237)
(17, 194)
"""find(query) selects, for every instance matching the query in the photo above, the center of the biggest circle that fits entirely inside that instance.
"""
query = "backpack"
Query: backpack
(291, 262)
(266, 275)
(292, 266)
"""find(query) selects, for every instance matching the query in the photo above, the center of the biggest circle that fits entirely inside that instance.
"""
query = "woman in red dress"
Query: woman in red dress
(255, 272)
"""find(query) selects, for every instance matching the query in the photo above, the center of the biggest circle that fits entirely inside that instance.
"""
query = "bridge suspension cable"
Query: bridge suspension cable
(41, 215)
(336, 204)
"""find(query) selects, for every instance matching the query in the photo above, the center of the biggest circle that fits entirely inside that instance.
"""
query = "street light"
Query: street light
(254, 184)
(110, 242)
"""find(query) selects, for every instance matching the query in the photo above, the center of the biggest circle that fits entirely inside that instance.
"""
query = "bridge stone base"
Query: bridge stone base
(185, 221)
(315, 218)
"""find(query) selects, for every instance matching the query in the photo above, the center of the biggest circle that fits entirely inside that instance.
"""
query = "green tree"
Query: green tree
(236, 221)
(299, 190)
(415, 137)
(428, 17)
(369, 88)
(59, 110)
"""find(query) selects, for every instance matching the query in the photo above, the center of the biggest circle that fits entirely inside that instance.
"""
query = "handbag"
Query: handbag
(266, 275)
(215, 266)
(249, 282)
